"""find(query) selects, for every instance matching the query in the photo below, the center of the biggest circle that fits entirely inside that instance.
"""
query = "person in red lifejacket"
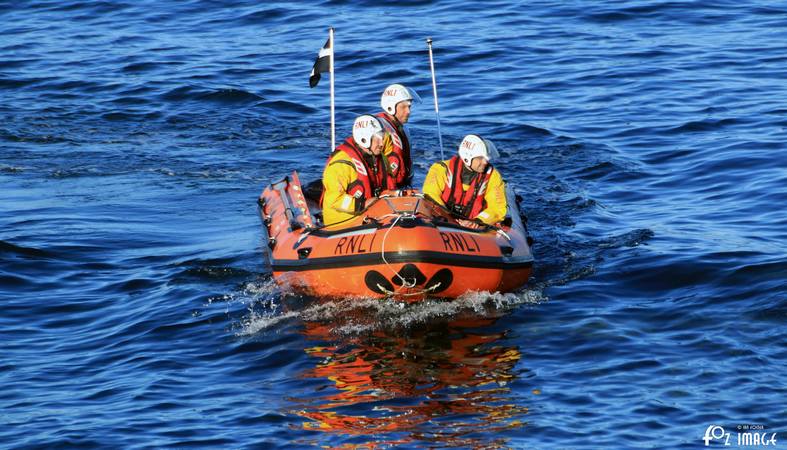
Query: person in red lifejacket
(355, 173)
(468, 185)
(396, 102)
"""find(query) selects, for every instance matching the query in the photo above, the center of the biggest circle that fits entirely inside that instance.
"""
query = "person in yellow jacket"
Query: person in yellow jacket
(468, 185)
(355, 173)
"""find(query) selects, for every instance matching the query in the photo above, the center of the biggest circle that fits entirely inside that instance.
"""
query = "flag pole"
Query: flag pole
(333, 119)
(434, 91)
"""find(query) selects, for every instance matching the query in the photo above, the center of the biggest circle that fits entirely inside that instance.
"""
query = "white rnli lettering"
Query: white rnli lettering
(468, 144)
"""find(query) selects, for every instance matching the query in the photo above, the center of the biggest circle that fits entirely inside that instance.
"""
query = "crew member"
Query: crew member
(355, 173)
(468, 185)
(396, 102)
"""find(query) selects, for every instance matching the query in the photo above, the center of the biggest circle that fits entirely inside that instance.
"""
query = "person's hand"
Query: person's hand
(468, 224)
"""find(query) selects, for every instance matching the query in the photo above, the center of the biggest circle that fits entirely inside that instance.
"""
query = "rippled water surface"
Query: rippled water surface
(647, 139)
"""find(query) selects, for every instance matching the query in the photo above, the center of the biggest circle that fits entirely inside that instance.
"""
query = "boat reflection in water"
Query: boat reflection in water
(446, 383)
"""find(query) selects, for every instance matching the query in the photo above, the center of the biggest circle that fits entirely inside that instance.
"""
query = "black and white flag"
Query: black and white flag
(323, 63)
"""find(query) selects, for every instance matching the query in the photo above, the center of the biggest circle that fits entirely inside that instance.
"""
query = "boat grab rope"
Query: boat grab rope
(405, 283)
(411, 294)
(409, 284)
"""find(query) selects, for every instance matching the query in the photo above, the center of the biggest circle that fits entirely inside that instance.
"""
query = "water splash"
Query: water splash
(357, 316)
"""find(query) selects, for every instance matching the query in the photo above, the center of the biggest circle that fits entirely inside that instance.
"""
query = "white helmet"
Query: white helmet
(396, 93)
(473, 146)
(365, 128)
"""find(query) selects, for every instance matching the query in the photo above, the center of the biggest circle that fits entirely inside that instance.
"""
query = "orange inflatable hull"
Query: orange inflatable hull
(402, 246)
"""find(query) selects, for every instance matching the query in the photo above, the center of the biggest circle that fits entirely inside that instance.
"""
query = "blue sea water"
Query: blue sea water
(646, 137)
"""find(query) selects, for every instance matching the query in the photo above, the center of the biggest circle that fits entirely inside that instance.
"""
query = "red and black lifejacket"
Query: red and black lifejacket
(467, 204)
(371, 179)
(399, 161)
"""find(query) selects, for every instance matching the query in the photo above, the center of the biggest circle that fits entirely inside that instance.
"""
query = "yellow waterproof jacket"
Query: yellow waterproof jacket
(436, 183)
(337, 204)
(349, 179)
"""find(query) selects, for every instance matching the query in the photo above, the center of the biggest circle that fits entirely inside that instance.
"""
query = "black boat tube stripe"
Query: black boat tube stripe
(427, 257)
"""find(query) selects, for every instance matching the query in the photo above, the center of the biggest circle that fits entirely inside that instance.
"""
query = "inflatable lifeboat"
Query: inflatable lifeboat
(403, 246)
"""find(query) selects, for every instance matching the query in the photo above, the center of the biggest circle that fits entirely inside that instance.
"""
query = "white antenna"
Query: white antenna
(434, 91)
(333, 119)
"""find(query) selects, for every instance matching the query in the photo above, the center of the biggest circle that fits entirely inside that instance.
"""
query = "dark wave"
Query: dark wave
(215, 273)
(95, 7)
(704, 125)
(127, 116)
(645, 139)
(10, 169)
(11, 250)
(229, 95)
(141, 67)
(629, 239)
(769, 272)
(263, 16)
(286, 107)
(6, 83)
(597, 171)
(697, 13)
